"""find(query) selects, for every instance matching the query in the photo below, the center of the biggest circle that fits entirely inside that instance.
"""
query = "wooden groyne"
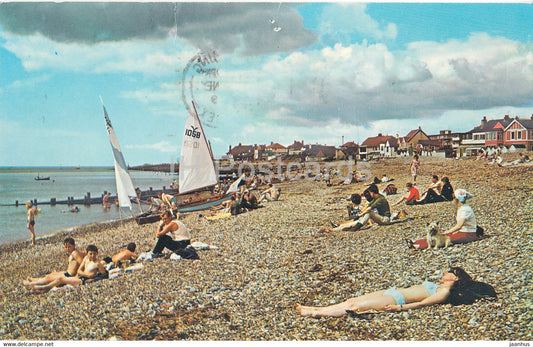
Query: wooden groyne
(89, 200)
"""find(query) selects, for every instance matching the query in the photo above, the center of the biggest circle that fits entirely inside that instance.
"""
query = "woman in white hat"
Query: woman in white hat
(465, 229)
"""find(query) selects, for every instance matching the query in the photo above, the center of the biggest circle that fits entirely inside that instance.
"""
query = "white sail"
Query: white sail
(235, 185)
(125, 188)
(196, 167)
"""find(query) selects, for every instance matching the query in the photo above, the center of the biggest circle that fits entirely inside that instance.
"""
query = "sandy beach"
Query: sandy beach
(271, 259)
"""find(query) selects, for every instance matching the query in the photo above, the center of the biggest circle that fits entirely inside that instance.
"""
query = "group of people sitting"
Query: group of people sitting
(82, 268)
(246, 201)
(376, 209)
(437, 191)
(86, 267)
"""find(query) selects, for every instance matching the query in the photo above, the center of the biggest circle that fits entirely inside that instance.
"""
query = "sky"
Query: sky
(257, 73)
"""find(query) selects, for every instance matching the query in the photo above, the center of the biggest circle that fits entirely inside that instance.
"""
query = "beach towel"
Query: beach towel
(197, 245)
(147, 256)
(134, 267)
(219, 216)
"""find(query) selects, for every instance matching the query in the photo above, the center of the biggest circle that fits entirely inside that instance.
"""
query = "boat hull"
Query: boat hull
(154, 216)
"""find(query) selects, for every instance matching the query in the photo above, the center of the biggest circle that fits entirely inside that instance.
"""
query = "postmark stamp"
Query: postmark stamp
(200, 83)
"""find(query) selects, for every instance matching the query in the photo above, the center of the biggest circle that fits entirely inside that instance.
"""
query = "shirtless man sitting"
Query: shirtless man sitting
(74, 261)
(270, 194)
(90, 270)
(170, 200)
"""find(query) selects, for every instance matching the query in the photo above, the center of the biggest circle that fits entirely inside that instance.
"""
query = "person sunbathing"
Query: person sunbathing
(123, 257)
(270, 194)
(456, 287)
(74, 261)
(91, 269)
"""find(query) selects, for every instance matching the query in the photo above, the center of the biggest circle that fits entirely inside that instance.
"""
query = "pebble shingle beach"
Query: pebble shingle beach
(273, 258)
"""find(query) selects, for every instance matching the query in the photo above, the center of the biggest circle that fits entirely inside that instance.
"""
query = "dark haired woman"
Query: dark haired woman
(398, 299)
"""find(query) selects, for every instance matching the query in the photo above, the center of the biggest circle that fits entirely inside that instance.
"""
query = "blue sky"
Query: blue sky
(277, 72)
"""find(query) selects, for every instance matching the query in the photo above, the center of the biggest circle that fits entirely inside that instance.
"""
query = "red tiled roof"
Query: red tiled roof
(378, 140)
(276, 146)
(350, 144)
(296, 146)
(238, 150)
(492, 124)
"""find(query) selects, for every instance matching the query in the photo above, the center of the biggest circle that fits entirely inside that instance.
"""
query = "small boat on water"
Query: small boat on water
(39, 178)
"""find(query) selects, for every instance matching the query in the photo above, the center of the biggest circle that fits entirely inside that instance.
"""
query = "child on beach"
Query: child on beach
(122, 258)
(270, 194)
(179, 240)
(412, 195)
(415, 165)
(31, 221)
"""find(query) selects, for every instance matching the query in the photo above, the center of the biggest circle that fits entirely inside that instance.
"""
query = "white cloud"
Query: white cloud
(30, 82)
(150, 58)
(341, 20)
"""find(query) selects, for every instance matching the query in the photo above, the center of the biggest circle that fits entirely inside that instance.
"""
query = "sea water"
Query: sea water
(20, 184)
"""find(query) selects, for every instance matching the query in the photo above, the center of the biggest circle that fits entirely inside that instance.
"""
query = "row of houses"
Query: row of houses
(490, 134)
(297, 150)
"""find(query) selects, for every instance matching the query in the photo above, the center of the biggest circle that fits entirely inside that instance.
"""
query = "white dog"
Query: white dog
(436, 239)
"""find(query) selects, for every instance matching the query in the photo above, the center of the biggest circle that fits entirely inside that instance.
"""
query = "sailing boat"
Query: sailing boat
(196, 172)
(125, 188)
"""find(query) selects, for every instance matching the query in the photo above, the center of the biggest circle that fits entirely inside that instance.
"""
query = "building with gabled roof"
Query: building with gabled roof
(380, 146)
(347, 150)
(277, 148)
(519, 133)
(296, 148)
(412, 141)
(241, 152)
(319, 152)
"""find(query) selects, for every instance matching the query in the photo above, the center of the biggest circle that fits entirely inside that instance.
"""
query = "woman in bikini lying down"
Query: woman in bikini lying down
(456, 287)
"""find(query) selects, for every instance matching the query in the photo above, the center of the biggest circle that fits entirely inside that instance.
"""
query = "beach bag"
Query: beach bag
(479, 231)
(390, 189)
(471, 292)
(187, 253)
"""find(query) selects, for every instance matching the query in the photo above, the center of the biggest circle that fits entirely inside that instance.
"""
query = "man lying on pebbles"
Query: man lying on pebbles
(123, 257)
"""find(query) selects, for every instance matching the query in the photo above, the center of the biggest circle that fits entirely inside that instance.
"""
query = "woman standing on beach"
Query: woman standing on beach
(31, 221)
(457, 287)
(415, 165)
